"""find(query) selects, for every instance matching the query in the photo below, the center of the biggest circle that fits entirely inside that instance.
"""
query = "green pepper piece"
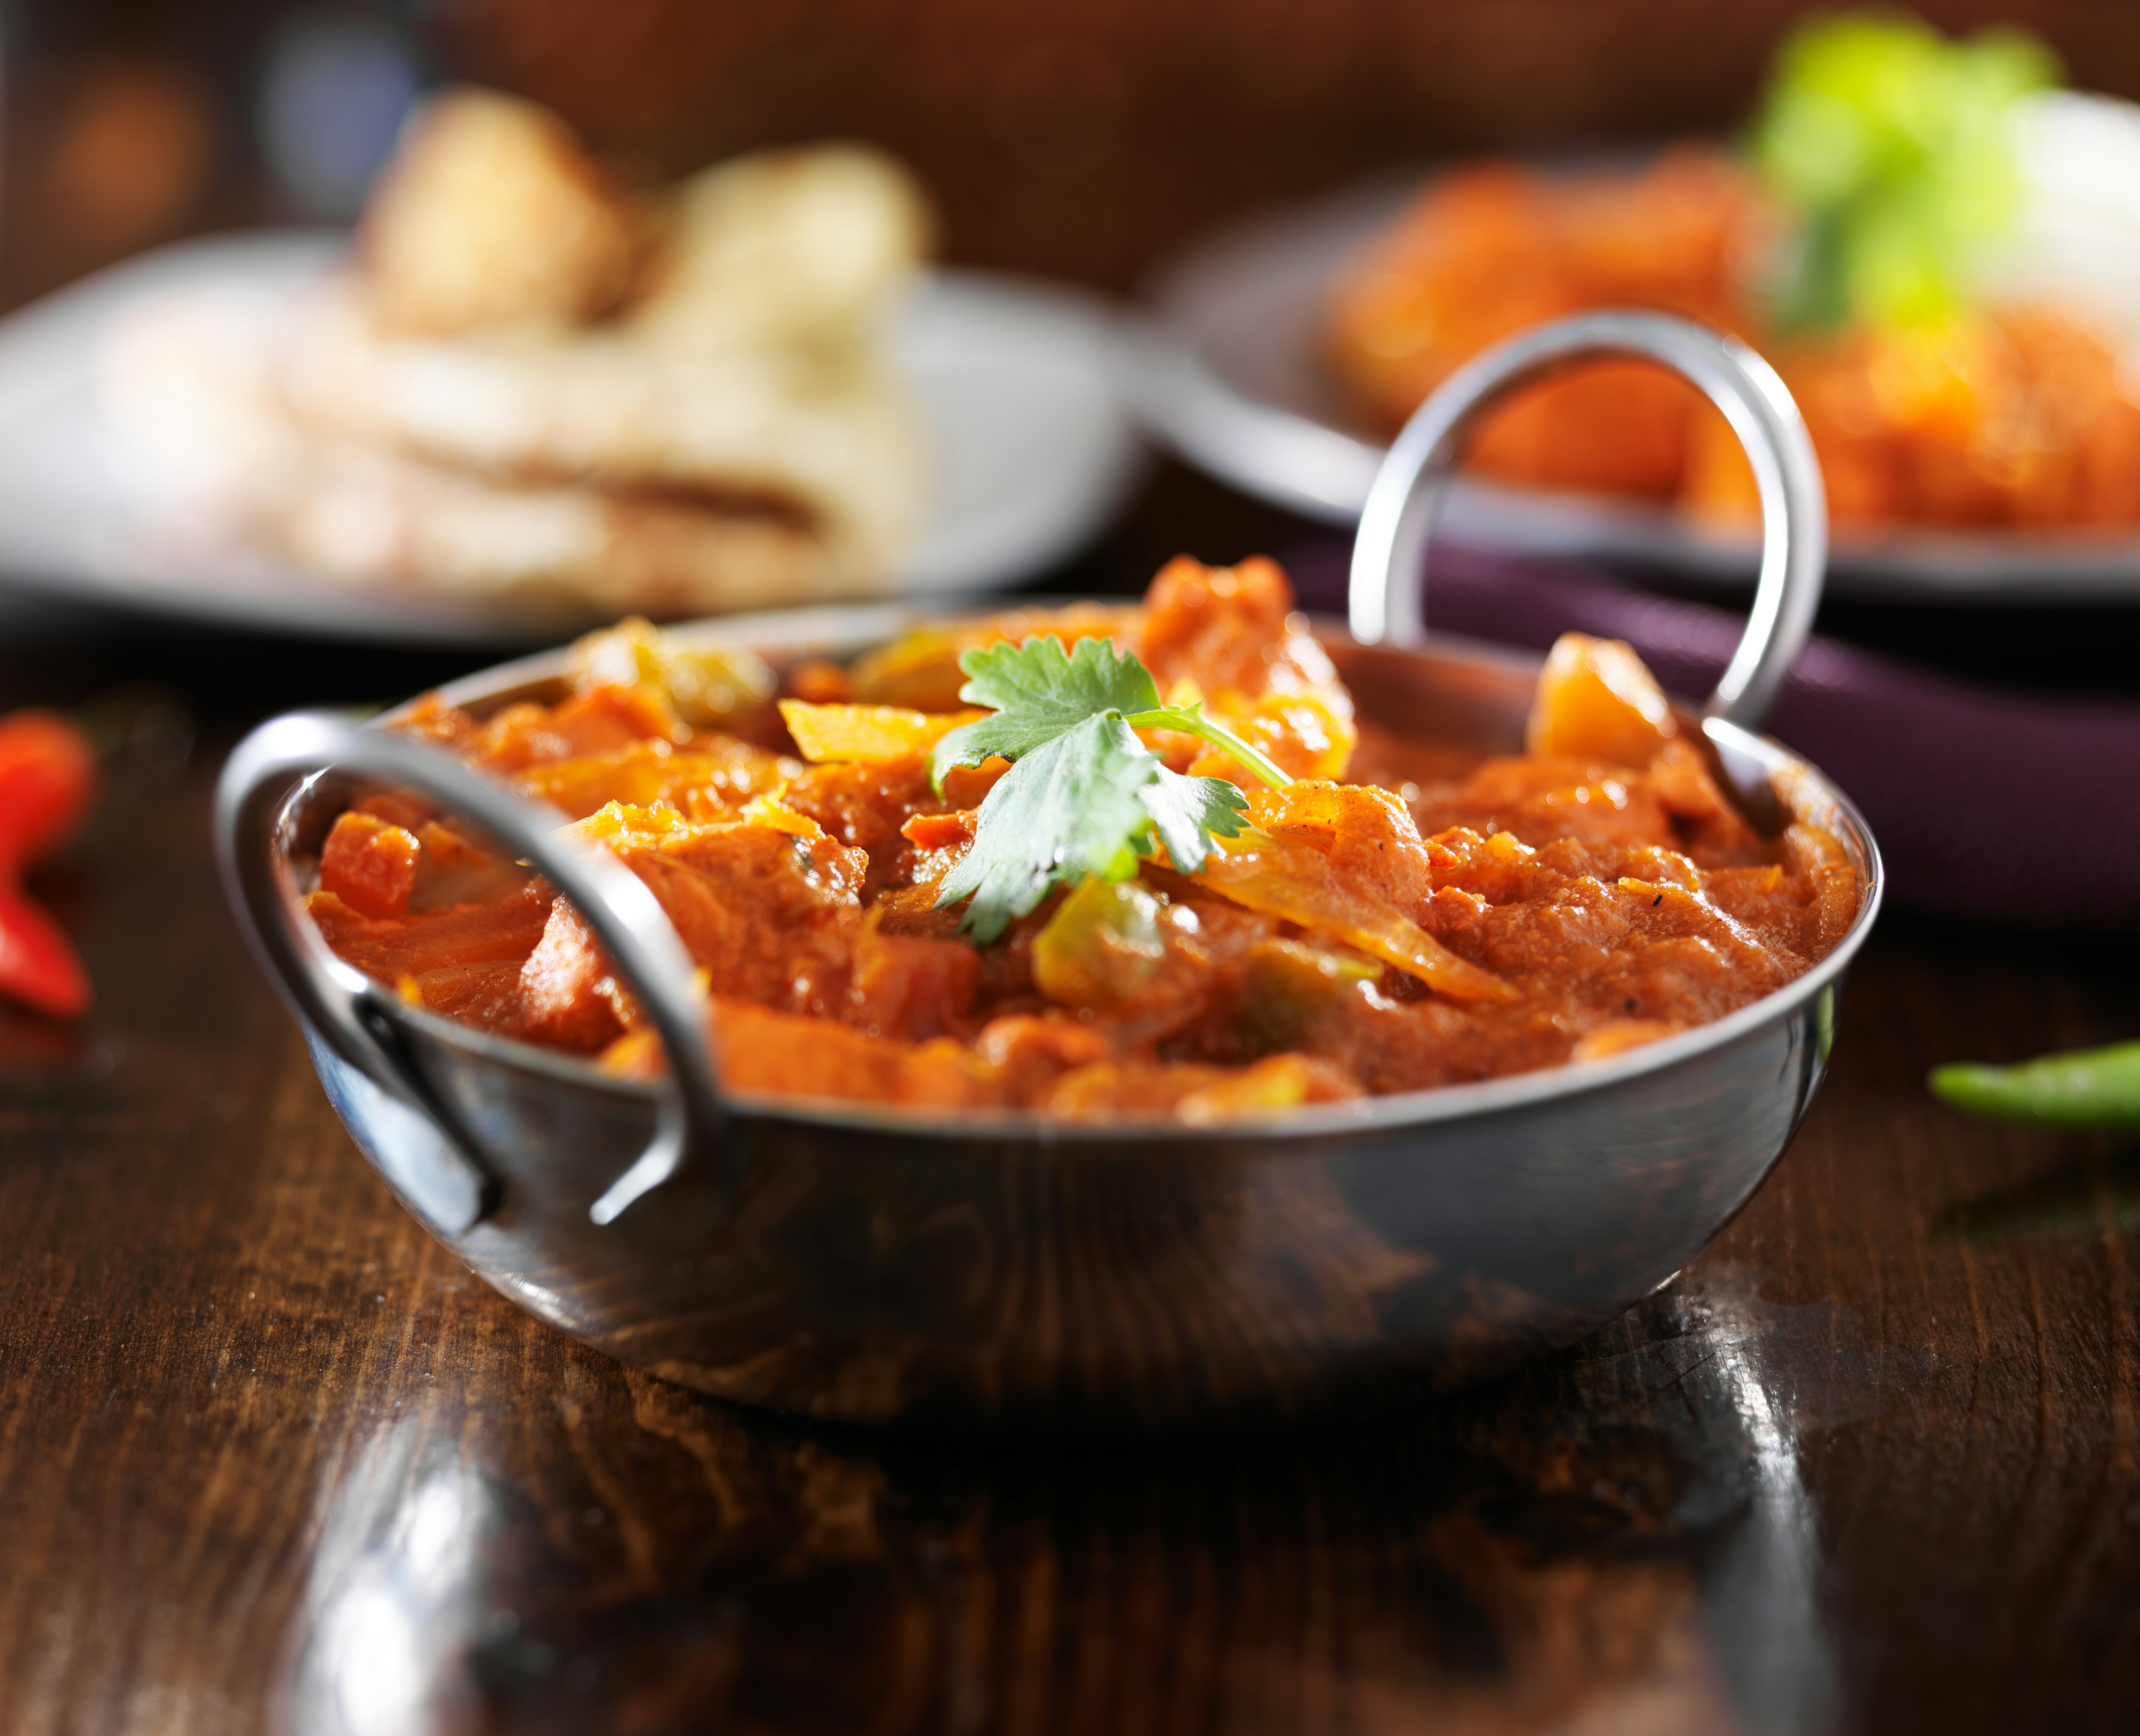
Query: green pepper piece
(919, 670)
(705, 687)
(1288, 987)
(2082, 1088)
(1102, 947)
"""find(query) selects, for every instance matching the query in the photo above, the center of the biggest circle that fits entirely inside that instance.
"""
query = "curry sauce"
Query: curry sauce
(1403, 913)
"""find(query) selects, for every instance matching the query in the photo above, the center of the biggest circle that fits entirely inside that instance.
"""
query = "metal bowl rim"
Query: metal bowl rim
(833, 627)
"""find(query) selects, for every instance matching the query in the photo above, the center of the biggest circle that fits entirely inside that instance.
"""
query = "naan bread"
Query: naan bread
(785, 247)
(359, 515)
(526, 382)
(491, 215)
(828, 441)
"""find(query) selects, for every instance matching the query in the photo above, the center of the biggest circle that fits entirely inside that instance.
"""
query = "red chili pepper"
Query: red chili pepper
(47, 782)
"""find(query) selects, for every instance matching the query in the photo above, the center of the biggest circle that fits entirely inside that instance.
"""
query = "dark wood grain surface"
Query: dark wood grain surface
(270, 1459)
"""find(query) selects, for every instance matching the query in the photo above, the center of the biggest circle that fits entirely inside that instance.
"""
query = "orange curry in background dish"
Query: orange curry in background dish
(2011, 414)
(1403, 913)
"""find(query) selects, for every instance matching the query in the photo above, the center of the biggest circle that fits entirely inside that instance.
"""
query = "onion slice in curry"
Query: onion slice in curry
(1296, 884)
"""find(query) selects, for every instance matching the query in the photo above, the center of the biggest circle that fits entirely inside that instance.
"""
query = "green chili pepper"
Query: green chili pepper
(2085, 1088)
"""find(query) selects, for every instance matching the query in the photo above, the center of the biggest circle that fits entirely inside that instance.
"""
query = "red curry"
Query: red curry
(1405, 913)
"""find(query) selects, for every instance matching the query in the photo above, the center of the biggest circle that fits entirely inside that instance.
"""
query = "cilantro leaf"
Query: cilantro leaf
(1891, 144)
(1038, 690)
(1083, 794)
(1190, 720)
(1067, 809)
(1189, 812)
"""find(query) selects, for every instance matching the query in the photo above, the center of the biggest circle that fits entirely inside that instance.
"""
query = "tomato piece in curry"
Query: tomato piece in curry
(1405, 913)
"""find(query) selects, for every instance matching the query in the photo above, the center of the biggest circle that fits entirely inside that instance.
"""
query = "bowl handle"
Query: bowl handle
(354, 1015)
(1388, 555)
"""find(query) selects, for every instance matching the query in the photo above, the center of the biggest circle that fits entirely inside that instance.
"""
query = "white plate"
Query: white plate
(1227, 369)
(1034, 452)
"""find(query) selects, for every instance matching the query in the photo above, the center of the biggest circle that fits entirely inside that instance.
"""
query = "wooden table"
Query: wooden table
(269, 1456)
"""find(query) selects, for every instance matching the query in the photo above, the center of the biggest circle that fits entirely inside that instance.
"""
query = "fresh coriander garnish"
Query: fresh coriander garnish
(1891, 144)
(1083, 794)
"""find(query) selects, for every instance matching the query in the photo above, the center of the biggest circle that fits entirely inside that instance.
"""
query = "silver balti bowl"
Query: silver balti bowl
(882, 1265)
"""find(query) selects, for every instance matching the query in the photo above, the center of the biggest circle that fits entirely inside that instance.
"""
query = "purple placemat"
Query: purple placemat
(1987, 803)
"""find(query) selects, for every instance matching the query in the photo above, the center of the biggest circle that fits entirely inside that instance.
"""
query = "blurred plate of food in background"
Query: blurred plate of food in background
(1954, 301)
(524, 397)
